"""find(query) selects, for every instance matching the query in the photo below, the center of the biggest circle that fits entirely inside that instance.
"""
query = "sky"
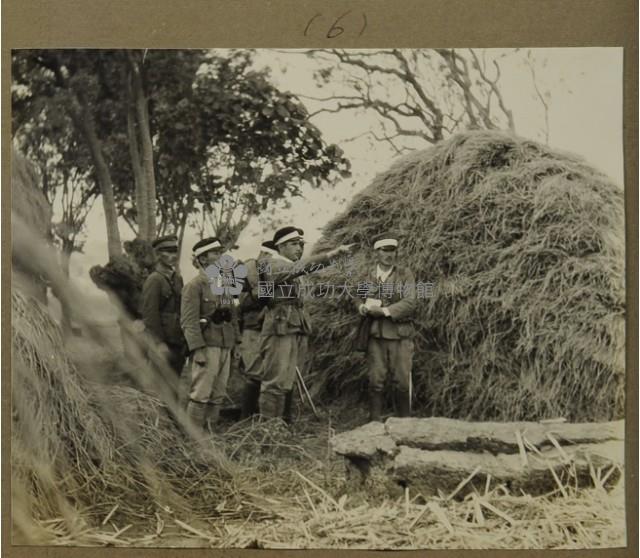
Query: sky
(585, 118)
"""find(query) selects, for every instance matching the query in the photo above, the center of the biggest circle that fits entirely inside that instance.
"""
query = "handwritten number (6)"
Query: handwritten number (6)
(306, 29)
(335, 30)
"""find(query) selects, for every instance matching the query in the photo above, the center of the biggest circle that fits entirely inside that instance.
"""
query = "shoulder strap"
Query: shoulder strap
(171, 285)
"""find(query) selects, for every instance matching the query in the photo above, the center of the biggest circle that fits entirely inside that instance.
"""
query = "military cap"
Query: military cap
(205, 245)
(285, 234)
(385, 240)
(163, 242)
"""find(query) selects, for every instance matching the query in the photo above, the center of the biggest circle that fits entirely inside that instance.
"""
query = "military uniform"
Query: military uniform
(389, 338)
(286, 323)
(252, 309)
(210, 342)
(161, 294)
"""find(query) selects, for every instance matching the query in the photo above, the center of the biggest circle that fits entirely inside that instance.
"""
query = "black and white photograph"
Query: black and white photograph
(318, 298)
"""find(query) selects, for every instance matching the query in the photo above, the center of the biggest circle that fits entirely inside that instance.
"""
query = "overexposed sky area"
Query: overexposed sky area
(585, 118)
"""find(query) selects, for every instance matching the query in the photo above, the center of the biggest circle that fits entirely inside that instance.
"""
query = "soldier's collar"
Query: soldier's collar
(166, 272)
(380, 271)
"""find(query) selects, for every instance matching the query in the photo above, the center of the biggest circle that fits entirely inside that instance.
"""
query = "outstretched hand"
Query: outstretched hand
(346, 247)
(342, 249)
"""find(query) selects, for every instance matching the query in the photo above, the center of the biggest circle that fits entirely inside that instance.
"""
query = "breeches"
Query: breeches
(209, 378)
(250, 354)
(389, 356)
(280, 355)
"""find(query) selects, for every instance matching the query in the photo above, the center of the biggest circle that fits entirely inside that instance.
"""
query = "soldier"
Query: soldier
(210, 326)
(160, 305)
(285, 321)
(387, 326)
(252, 308)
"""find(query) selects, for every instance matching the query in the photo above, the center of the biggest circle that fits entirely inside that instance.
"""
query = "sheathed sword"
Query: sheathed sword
(410, 391)
(306, 392)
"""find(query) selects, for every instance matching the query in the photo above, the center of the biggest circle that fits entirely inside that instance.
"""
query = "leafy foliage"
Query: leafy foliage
(227, 143)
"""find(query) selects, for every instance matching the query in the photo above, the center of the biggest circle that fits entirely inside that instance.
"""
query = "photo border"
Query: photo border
(305, 24)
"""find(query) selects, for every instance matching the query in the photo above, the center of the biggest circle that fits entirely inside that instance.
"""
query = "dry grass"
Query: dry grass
(525, 248)
(82, 446)
(300, 499)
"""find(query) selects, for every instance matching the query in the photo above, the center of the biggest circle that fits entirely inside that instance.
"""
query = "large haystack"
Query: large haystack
(31, 206)
(525, 248)
(85, 448)
(81, 446)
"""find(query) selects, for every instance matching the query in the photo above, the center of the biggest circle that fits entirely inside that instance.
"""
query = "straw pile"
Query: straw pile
(524, 247)
(87, 451)
(30, 204)
(485, 520)
(84, 451)
(305, 501)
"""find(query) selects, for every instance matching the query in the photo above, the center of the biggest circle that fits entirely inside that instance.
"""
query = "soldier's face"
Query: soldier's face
(386, 256)
(168, 256)
(292, 250)
(210, 257)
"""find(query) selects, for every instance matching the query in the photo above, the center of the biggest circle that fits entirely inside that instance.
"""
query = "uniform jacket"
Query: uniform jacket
(399, 297)
(199, 302)
(285, 313)
(160, 307)
(251, 306)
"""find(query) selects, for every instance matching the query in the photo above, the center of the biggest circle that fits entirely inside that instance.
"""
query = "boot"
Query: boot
(403, 403)
(271, 404)
(197, 413)
(250, 398)
(375, 406)
(212, 415)
(184, 385)
(287, 413)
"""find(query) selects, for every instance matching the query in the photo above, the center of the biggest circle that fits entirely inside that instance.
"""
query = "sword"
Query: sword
(306, 391)
(410, 391)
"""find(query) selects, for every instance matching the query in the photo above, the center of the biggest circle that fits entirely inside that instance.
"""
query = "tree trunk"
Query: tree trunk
(138, 175)
(142, 116)
(65, 258)
(84, 122)
(180, 232)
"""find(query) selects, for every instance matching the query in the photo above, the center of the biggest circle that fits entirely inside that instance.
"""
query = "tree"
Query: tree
(68, 80)
(177, 137)
(140, 145)
(262, 147)
(65, 176)
(169, 136)
(419, 95)
(227, 143)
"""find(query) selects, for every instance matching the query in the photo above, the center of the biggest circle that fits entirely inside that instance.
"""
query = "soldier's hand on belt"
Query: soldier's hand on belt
(235, 353)
(362, 310)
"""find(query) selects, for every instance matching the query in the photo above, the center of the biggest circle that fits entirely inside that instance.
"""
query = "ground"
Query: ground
(297, 495)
